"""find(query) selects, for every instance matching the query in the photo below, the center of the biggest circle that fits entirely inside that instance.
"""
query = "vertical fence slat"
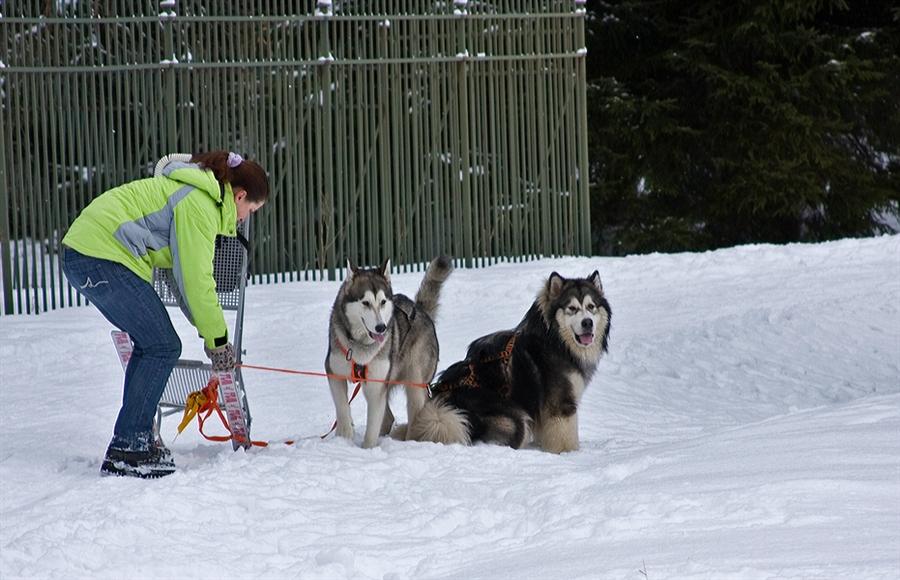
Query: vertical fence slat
(6, 247)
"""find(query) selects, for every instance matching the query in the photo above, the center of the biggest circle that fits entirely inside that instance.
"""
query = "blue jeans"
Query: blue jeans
(132, 305)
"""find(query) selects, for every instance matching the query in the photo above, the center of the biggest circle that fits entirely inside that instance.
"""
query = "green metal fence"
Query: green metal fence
(393, 129)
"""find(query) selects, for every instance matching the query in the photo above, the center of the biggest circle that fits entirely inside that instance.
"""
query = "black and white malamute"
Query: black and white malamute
(525, 384)
(381, 336)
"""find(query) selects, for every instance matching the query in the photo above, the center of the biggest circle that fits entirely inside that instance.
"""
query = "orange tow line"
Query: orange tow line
(327, 375)
(202, 404)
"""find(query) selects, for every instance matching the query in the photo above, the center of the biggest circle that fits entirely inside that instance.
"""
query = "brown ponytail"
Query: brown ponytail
(246, 174)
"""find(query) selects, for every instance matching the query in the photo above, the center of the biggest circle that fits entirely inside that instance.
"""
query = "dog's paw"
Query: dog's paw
(399, 432)
(559, 434)
(345, 431)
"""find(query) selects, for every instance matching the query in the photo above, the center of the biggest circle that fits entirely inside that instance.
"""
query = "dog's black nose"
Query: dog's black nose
(587, 323)
(380, 328)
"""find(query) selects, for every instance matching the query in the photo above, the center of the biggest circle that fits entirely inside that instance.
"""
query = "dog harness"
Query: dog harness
(358, 372)
(471, 380)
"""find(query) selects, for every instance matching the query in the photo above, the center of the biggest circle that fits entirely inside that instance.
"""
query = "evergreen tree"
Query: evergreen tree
(720, 122)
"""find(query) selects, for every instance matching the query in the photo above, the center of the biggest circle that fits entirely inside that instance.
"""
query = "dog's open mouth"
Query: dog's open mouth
(586, 339)
(377, 337)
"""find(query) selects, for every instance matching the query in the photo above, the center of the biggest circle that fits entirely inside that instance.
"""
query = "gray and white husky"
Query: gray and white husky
(524, 384)
(378, 335)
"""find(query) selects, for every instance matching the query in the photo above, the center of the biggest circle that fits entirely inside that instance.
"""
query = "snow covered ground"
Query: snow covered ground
(746, 424)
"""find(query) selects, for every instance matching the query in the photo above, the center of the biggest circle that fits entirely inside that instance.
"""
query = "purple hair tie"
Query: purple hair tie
(234, 160)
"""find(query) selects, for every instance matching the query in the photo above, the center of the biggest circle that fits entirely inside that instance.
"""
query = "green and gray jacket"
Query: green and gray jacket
(169, 221)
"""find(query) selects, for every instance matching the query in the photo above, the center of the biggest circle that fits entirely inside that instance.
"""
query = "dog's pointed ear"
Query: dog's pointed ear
(352, 270)
(595, 280)
(554, 285)
(385, 269)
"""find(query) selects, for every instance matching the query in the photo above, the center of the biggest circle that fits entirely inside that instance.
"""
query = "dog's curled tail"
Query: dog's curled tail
(440, 422)
(430, 290)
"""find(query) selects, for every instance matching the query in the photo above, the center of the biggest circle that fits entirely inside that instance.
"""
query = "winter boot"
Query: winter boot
(159, 450)
(144, 464)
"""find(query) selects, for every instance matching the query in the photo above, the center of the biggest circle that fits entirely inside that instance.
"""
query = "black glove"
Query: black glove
(222, 358)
